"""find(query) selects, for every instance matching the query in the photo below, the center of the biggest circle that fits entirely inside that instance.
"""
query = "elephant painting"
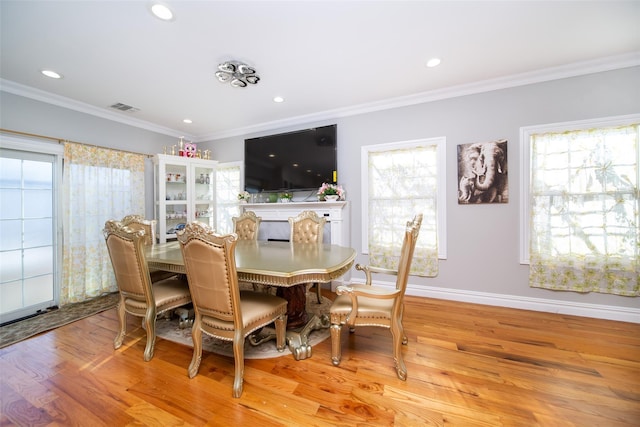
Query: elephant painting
(482, 173)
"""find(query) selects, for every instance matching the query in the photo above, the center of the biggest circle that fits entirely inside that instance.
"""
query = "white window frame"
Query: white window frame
(525, 164)
(225, 165)
(440, 143)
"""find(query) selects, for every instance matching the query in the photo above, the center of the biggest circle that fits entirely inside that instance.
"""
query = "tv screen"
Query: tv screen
(299, 160)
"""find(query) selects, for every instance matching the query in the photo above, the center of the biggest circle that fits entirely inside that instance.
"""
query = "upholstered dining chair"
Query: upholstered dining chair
(367, 305)
(221, 309)
(138, 296)
(247, 225)
(138, 222)
(308, 227)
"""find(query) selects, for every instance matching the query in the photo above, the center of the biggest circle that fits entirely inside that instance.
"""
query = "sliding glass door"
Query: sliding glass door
(29, 227)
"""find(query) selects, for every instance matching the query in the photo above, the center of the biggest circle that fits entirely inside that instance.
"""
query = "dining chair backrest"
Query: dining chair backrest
(138, 222)
(247, 225)
(307, 227)
(126, 250)
(406, 254)
(214, 290)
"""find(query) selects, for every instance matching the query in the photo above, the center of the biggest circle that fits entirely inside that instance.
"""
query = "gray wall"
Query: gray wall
(27, 115)
(482, 263)
(483, 242)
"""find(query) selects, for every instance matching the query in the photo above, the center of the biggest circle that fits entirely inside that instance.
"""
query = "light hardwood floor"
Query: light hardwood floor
(468, 365)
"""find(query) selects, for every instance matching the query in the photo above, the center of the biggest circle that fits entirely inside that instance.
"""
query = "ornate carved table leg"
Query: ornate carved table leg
(296, 297)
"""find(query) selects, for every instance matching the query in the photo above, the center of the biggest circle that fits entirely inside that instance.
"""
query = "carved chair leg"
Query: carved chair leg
(196, 336)
(117, 342)
(150, 327)
(404, 337)
(397, 335)
(238, 355)
(281, 332)
(336, 352)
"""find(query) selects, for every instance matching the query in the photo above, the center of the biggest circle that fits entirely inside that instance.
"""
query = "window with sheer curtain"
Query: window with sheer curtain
(98, 184)
(228, 186)
(583, 206)
(402, 180)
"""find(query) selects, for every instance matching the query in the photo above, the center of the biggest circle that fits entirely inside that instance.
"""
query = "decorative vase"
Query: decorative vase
(331, 198)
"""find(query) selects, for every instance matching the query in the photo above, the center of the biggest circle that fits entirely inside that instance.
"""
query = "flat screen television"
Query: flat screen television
(299, 160)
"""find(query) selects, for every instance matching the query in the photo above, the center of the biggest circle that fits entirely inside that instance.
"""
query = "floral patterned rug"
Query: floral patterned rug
(170, 329)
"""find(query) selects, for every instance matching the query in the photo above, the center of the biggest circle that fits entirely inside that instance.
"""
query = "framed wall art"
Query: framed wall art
(482, 173)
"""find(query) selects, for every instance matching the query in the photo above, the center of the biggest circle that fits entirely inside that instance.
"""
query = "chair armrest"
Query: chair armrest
(367, 291)
(368, 269)
(355, 291)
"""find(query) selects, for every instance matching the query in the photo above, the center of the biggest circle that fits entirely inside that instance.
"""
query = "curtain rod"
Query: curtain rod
(62, 141)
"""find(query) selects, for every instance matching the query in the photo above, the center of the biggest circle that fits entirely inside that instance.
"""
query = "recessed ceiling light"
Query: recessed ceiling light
(433, 62)
(51, 74)
(161, 11)
(188, 121)
(278, 99)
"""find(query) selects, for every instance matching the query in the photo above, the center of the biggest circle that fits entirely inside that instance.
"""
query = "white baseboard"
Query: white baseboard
(609, 312)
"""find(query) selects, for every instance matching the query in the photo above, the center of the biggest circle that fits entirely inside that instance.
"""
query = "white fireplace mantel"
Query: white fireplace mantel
(337, 214)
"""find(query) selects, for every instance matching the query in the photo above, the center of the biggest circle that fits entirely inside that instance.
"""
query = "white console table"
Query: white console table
(336, 213)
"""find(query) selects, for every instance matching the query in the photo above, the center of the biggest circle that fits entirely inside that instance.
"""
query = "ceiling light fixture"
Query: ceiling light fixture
(52, 74)
(188, 121)
(433, 62)
(161, 11)
(237, 74)
(278, 99)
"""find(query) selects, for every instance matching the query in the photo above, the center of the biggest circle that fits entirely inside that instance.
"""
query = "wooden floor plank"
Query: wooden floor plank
(468, 365)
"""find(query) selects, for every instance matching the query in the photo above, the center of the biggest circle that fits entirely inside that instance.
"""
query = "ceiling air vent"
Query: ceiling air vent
(124, 107)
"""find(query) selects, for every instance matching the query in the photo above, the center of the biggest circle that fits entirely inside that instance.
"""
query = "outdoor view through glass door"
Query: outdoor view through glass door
(29, 253)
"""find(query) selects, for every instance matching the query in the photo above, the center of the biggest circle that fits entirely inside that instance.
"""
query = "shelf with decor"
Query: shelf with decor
(184, 190)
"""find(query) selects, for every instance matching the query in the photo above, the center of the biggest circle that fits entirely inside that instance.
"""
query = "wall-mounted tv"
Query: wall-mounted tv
(299, 160)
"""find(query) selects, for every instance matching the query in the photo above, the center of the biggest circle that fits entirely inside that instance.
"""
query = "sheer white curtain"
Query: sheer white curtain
(228, 186)
(99, 184)
(403, 182)
(584, 210)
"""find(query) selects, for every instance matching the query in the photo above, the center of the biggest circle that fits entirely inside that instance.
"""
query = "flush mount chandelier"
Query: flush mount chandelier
(237, 74)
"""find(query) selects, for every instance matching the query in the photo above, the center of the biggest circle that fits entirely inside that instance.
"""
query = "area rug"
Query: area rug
(23, 329)
(169, 329)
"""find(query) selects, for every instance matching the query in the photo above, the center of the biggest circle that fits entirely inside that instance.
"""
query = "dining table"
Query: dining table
(287, 266)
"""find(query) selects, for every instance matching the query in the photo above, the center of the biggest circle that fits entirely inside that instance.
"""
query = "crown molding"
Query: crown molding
(554, 73)
(71, 104)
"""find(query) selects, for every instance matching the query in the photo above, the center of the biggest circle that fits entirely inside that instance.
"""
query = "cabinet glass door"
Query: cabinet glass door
(176, 212)
(204, 200)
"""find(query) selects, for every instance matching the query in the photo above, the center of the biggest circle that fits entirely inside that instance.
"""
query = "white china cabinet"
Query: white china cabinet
(184, 192)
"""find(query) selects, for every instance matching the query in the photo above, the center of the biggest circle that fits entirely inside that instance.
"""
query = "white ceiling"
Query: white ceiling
(326, 58)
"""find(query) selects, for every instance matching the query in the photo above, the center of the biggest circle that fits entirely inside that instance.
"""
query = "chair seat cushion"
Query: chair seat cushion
(368, 308)
(258, 309)
(171, 293)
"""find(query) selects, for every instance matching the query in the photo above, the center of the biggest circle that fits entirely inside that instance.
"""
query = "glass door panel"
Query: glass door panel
(204, 185)
(176, 212)
(27, 233)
